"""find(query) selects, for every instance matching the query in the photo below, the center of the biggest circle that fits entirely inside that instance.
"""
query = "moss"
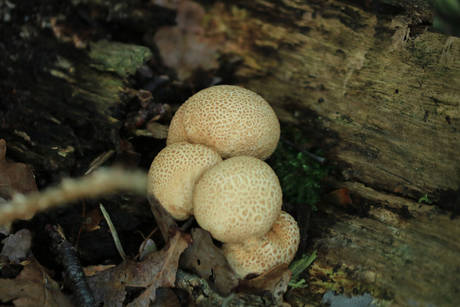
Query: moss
(299, 175)
(425, 199)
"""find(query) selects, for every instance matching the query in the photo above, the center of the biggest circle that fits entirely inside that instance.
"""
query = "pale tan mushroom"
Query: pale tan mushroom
(257, 255)
(230, 119)
(174, 173)
(177, 131)
(237, 199)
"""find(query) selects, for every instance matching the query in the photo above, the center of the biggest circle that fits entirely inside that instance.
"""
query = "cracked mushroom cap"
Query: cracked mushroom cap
(174, 173)
(258, 255)
(230, 119)
(238, 198)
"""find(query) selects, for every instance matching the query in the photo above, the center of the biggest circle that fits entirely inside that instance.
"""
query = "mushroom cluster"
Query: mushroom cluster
(238, 200)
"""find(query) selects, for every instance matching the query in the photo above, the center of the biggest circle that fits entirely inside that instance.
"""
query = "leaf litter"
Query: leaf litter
(158, 270)
(32, 287)
(15, 178)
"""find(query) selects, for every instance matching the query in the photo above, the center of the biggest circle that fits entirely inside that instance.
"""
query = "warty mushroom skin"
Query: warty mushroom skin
(257, 255)
(174, 173)
(238, 198)
(230, 119)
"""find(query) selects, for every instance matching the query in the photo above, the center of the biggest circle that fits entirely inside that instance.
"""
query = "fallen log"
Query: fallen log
(378, 91)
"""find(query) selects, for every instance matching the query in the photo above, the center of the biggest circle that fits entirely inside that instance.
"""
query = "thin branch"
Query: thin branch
(99, 183)
(75, 276)
(319, 159)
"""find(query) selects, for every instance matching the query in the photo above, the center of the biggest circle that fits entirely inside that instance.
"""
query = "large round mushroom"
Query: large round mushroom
(232, 120)
(174, 173)
(238, 198)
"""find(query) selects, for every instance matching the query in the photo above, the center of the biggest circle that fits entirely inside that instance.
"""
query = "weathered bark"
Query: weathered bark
(380, 93)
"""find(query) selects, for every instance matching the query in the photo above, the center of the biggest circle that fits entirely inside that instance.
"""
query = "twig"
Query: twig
(100, 160)
(319, 159)
(75, 276)
(187, 224)
(101, 182)
(114, 233)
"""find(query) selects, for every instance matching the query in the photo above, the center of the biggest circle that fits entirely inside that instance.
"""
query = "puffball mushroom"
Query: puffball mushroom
(230, 119)
(257, 255)
(174, 173)
(237, 199)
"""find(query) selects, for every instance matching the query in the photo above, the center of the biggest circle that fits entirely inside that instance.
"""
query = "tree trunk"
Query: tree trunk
(380, 94)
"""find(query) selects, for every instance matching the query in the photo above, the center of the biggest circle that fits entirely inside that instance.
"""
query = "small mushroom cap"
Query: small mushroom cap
(233, 120)
(174, 173)
(258, 255)
(177, 127)
(238, 198)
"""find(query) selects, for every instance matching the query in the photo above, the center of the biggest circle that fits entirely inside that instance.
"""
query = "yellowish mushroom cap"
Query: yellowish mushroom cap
(177, 127)
(258, 255)
(174, 173)
(238, 198)
(230, 119)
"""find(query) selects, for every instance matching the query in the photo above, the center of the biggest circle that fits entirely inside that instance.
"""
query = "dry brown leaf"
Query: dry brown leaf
(15, 178)
(96, 269)
(185, 52)
(165, 298)
(32, 287)
(17, 246)
(92, 220)
(158, 270)
(4, 228)
(273, 283)
(205, 260)
(182, 46)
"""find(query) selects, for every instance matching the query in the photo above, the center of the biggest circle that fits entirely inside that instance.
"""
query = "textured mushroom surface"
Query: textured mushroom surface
(258, 255)
(177, 127)
(174, 173)
(232, 120)
(238, 198)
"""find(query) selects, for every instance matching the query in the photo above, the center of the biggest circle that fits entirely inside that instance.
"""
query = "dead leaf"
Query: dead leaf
(273, 284)
(207, 261)
(158, 130)
(185, 52)
(165, 298)
(32, 287)
(92, 220)
(159, 270)
(183, 47)
(96, 269)
(339, 197)
(17, 246)
(5, 228)
(15, 178)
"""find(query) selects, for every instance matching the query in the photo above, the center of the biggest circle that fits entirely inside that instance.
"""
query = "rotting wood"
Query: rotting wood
(60, 101)
(380, 94)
